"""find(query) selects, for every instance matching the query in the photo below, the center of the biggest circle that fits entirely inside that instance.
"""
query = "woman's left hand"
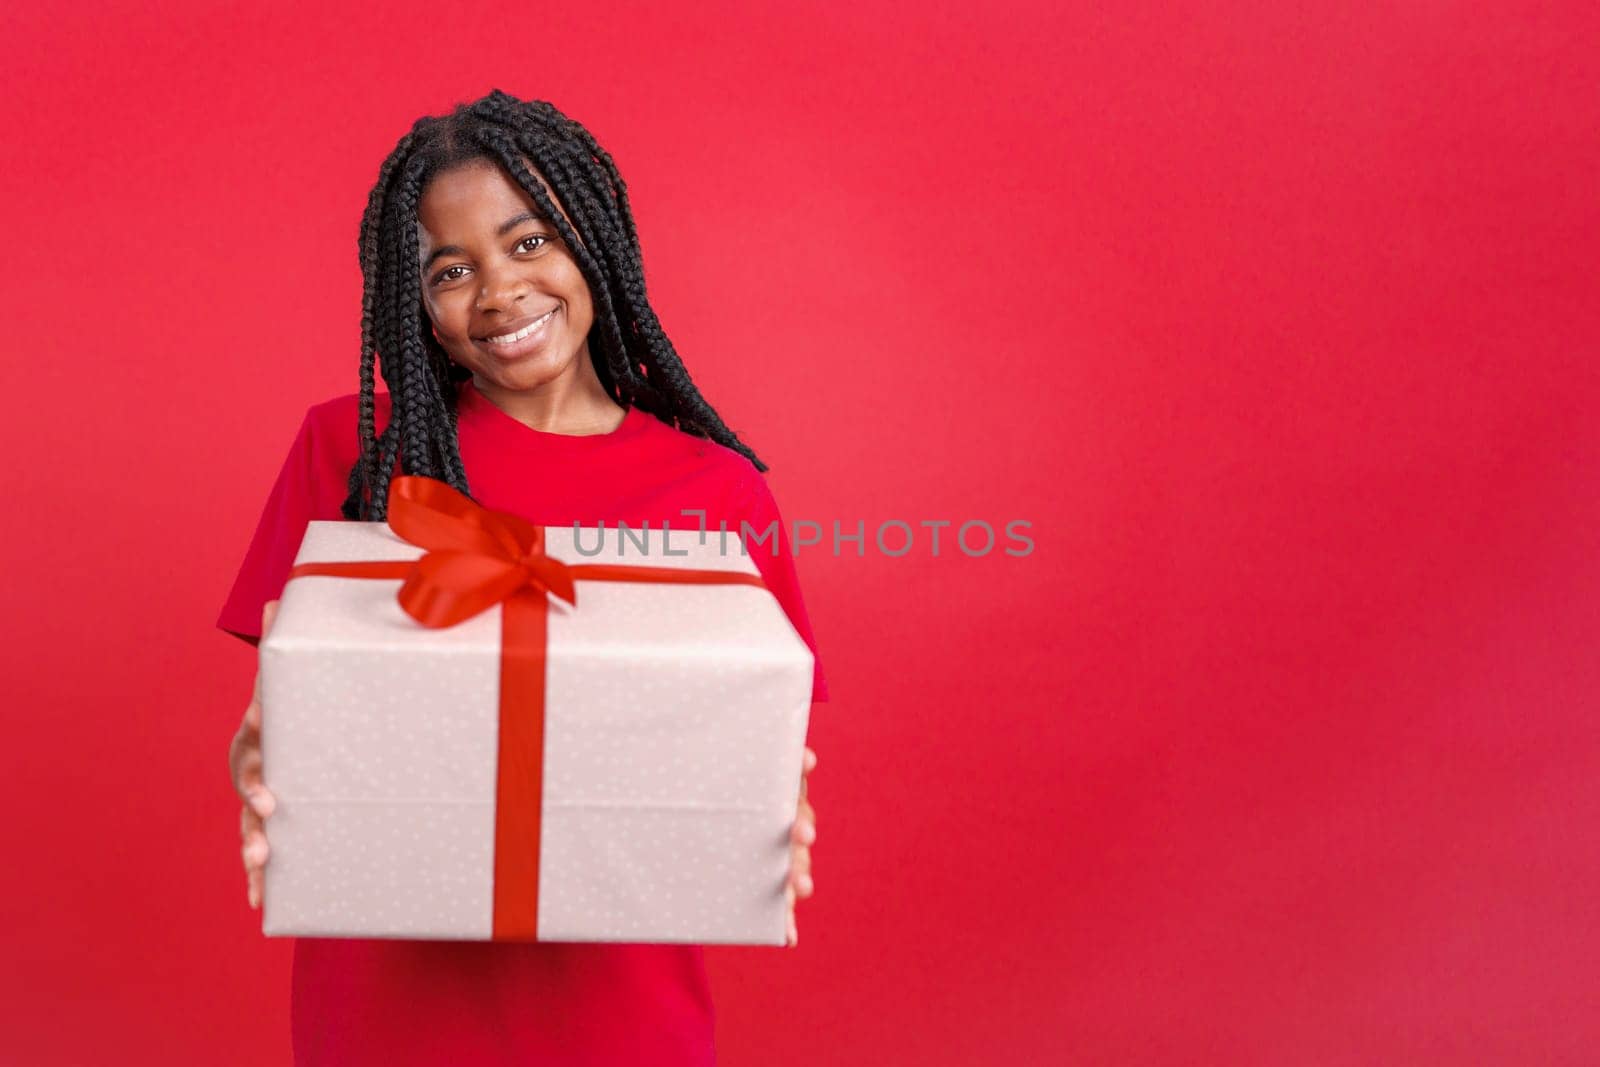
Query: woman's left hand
(801, 838)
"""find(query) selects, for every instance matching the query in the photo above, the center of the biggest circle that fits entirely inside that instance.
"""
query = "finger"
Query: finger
(802, 882)
(244, 760)
(269, 612)
(800, 872)
(810, 760)
(247, 771)
(792, 935)
(260, 800)
(255, 854)
(804, 831)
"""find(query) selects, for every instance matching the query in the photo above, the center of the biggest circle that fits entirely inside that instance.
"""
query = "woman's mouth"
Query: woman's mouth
(522, 341)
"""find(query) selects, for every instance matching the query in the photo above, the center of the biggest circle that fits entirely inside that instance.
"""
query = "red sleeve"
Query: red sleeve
(754, 503)
(311, 485)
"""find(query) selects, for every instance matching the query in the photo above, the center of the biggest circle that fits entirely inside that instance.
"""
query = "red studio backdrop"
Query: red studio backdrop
(1278, 326)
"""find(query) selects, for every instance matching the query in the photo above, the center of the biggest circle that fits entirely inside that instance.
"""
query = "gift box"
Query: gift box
(480, 729)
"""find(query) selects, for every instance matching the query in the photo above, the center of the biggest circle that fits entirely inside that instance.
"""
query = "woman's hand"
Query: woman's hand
(801, 838)
(244, 765)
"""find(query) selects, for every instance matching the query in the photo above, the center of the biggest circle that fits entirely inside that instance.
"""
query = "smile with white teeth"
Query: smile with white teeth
(508, 338)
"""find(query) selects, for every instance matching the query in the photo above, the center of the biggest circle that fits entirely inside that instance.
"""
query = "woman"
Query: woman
(504, 300)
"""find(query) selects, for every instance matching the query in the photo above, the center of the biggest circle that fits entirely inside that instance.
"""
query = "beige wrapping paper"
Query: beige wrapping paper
(675, 723)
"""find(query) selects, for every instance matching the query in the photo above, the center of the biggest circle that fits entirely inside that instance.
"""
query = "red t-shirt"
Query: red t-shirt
(395, 1002)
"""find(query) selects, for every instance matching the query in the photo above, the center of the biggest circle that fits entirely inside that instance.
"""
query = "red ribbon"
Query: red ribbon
(477, 558)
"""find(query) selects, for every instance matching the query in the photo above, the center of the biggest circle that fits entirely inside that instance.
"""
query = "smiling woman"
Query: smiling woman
(504, 304)
(487, 218)
(508, 301)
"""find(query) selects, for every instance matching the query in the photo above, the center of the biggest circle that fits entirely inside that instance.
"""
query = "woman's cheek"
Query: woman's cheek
(448, 321)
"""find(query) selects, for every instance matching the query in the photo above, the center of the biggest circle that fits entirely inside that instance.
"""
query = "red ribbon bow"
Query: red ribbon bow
(477, 558)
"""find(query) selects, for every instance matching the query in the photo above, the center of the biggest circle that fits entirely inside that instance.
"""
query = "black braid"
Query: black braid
(636, 363)
(364, 473)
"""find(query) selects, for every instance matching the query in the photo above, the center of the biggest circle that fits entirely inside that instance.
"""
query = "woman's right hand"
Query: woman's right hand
(244, 764)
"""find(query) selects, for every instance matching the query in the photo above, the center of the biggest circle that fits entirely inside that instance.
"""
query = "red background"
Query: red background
(1281, 747)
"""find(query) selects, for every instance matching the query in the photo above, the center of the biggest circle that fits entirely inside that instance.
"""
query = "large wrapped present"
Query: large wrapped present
(481, 729)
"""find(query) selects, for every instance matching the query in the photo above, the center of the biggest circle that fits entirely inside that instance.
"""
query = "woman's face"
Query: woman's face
(507, 299)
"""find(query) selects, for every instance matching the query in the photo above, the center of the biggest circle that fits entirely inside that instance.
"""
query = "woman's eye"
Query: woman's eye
(531, 243)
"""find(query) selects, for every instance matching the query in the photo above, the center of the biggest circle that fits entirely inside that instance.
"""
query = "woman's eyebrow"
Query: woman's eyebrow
(505, 227)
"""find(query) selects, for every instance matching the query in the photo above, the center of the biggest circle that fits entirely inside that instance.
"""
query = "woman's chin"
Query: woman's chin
(522, 375)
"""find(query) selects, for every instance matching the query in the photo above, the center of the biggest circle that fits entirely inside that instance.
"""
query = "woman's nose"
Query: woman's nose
(501, 288)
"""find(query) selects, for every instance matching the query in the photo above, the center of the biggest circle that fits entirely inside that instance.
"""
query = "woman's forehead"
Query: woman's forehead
(475, 196)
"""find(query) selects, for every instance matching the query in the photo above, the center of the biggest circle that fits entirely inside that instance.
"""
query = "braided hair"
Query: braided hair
(635, 361)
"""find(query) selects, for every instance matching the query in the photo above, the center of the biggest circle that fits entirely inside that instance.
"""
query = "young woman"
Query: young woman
(504, 302)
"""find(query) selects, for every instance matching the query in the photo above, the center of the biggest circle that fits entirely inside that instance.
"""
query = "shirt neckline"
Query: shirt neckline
(516, 434)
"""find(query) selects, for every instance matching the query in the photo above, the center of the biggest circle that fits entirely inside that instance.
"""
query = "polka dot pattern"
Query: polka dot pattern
(675, 723)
